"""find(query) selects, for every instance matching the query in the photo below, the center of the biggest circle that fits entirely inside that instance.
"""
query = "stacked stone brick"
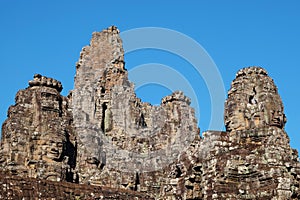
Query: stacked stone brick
(37, 137)
(103, 135)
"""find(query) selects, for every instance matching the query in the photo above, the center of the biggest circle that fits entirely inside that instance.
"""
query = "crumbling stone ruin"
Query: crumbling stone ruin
(105, 141)
(37, 137)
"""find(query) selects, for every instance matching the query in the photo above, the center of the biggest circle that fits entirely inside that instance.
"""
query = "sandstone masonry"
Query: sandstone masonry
(104, 138)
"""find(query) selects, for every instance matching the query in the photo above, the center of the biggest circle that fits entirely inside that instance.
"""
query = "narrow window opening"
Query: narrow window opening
(104, 107)
(142, 122)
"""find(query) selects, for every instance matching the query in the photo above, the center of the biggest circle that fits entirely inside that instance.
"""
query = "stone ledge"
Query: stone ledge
(39, 80)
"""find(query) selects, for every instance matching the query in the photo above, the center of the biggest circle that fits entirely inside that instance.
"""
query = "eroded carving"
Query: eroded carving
(102, 134)
(254, 105)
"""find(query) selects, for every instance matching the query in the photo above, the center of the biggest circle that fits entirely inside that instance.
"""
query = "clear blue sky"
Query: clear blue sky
(47, 36)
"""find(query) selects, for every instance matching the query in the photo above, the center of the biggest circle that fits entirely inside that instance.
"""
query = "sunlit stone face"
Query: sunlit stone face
(51, 134)
(55, 149)
(253, 101)
(277, 118)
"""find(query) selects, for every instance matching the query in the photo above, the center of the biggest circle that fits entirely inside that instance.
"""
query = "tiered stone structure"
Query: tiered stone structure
(134, 137)
(37, 137)
(103, 135)
(253, 158)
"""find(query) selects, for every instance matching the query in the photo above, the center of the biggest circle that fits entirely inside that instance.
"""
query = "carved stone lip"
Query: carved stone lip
(11, 164)
(277, 123)
(54, 153)
(31, 162)
(54, 150)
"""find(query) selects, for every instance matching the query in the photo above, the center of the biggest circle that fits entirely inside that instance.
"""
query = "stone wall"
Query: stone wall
(15, 187)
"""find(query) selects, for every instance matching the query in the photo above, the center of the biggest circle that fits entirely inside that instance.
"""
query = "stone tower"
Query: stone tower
(122, 139)
(253, 102)
(37, 137)
(253, 158)
(103, 135)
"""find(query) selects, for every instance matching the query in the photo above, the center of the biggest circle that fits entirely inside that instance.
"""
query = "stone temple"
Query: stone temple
(102, 142)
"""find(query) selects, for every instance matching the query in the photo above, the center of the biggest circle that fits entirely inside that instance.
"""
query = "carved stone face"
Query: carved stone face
(50, 101)
(237, 121)
(55, 149)
(258, 101)
(277, 119)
